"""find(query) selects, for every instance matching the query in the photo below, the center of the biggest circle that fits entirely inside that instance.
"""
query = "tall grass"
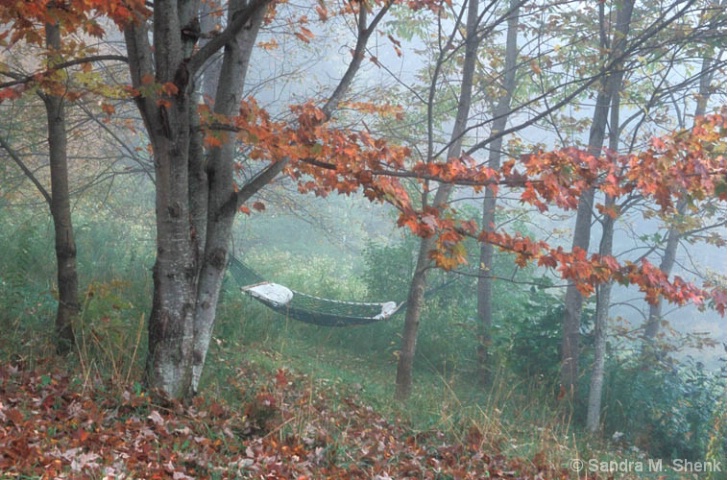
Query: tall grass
(518, 414)
(114, 273)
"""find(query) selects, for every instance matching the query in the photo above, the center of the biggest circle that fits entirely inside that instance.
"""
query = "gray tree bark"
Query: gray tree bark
(603, 298)
(600, 331)
(573, 303)
(501, 114)
(654, 319)
(218, 191)
(195, 197)
(603, 293)
(415, 299)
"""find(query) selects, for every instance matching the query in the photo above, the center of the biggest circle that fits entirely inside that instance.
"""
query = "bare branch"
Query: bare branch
(24, 79)
(28, 173)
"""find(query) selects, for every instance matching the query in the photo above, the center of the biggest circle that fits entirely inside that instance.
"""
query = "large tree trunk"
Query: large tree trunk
(418, 283)
(485, 281)
(60, 207)
(171, 322)
(167, 119)
(195, 197)
(573, 304)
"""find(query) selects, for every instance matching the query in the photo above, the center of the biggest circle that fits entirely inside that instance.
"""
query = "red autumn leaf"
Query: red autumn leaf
(107, 108)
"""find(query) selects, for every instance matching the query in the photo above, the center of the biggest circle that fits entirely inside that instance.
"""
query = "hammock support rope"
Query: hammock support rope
(308, 308)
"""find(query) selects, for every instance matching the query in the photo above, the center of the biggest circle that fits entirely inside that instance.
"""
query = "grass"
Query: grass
(510, 420)
(515, 418)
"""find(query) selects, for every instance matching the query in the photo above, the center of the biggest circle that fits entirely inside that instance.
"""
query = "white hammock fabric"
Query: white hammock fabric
(273, 293)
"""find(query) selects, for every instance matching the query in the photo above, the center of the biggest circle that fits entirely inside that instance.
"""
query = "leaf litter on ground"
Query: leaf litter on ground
(285, 427)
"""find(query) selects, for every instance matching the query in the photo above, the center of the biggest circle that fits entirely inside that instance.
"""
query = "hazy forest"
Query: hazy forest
(371, 239)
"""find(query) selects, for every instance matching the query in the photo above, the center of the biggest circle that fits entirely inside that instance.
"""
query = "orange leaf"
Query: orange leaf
(170, 89)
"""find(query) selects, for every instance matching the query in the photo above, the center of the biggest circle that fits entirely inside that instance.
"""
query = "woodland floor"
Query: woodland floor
(285, 426)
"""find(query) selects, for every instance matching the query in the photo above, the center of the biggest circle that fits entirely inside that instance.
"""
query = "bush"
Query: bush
(668, 411)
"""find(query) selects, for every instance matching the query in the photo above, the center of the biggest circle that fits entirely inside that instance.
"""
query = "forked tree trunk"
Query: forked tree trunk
(167, 120)
(418, 283)
(171, 322)
(220, 194)
(195, 197)
(60, 207)
(603, 298)
(573, 304)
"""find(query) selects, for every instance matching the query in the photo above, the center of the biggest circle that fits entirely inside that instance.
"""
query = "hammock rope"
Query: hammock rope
(308, 308)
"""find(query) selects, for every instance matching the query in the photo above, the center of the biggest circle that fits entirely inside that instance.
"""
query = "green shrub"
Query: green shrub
(667, 410)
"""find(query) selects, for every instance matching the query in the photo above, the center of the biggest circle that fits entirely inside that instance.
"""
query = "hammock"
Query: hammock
(308, 308)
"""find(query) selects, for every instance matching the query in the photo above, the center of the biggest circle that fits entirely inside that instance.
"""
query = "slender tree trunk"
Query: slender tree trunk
(485, 281)
(418, 283)
(600, 330)
(653, 322)
(220, 178)
(603, 298)
(573, 304)
(415, 300)
(603, 293)
(60, 206)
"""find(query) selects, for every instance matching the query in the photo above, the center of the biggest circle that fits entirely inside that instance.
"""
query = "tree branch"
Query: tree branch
(28, 173)
(23, 79)
(267, 174)
(239, 21)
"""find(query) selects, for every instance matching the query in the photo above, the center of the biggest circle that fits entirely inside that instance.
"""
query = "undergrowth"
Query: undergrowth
(517, 417)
